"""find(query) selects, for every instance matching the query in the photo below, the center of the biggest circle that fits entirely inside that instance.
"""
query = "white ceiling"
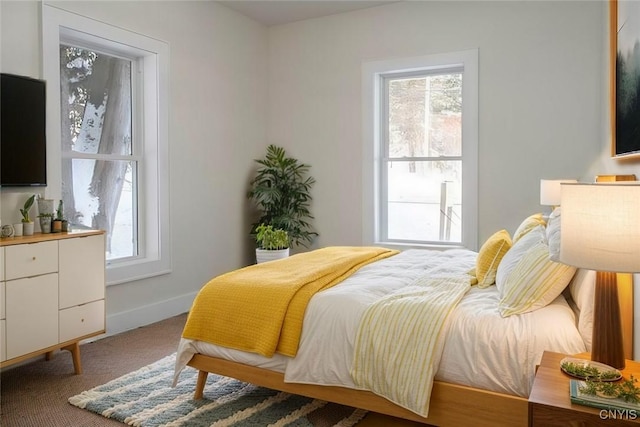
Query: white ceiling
(276, 12)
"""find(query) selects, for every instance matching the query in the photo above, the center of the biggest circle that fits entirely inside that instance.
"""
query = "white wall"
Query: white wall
(217, 126)
(540, 106)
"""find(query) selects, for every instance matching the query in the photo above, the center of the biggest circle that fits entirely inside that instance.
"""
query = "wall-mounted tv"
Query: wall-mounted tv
(23, 144)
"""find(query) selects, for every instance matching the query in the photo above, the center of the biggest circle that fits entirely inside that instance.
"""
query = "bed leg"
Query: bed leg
(202, 380)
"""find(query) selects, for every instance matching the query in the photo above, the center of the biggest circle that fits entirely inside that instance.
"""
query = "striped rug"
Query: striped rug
(145, 398)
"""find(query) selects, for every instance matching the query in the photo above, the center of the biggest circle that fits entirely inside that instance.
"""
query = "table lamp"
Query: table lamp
(600, 230)
(550, 191)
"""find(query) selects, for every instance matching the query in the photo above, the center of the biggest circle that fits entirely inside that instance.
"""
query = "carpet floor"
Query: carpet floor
(36, 393)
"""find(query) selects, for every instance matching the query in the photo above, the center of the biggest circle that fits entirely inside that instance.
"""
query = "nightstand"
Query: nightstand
(550, 404)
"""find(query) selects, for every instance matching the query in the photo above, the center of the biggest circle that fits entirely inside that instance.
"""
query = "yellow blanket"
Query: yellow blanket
(260, 308)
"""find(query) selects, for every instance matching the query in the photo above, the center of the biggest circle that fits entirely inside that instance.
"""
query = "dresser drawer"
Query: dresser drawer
(81, 320)
(3, 345)
(82, 270)
(32, 314)
(1, 263)
(31, 260)
(2, 299)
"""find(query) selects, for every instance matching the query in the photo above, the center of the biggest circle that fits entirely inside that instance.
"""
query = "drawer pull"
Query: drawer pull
(82, 320)
(34, 258)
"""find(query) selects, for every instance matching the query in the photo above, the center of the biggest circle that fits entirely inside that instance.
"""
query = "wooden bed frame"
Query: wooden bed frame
(450, 405)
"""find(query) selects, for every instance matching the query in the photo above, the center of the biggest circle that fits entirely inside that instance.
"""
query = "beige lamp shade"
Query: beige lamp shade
(550, 191)
(600, 226)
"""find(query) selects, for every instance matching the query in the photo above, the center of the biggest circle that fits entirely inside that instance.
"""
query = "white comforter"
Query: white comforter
(482, 349)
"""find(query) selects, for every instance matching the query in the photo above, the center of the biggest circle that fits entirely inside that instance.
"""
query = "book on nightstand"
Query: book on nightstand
(581, 398)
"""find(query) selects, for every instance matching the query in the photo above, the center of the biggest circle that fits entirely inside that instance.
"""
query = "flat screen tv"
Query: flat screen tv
(23, 144)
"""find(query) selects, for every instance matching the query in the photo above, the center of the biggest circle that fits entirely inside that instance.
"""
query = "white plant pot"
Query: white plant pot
(264, 255)
(27, 228)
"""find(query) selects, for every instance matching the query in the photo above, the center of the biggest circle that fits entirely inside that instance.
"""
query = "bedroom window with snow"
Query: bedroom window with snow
(99, 162)
(111, 104)
(425, 154)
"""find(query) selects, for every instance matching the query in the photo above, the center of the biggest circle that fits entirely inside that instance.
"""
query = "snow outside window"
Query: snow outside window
(420, 132)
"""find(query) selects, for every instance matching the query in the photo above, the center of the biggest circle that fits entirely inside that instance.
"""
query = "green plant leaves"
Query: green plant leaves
(282, 191)
(25, 209)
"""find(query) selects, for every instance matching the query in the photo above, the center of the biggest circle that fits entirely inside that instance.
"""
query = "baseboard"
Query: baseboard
(145, 315)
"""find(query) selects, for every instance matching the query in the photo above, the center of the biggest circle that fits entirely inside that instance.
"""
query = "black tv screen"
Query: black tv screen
(23, 145)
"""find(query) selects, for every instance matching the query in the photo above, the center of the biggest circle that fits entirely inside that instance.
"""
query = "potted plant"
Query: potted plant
(281, 191)
(57, 225)
(273, 243)
(27, 224)
(45, 222)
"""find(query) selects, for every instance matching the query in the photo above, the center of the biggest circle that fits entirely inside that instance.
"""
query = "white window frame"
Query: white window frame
(373, 142)
(154, 244)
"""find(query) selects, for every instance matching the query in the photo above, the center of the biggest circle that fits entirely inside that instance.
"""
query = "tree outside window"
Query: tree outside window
(99, 165)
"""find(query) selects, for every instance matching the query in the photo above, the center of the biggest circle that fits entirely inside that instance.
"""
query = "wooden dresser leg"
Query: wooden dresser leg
(75, 354)
(202, 380)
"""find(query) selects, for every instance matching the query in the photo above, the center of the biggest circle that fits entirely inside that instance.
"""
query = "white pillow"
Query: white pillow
(534, 280)
(582, 289)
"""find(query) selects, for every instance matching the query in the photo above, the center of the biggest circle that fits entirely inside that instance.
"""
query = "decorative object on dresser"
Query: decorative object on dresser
(52, 294)
(17, 229)
(45, 222)
(600, 230)
(45, 206)
(27, 224)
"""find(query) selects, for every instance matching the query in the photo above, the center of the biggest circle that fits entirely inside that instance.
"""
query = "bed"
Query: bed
(483, 366)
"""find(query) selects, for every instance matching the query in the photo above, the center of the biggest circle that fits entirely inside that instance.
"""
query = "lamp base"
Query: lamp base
(607, 345)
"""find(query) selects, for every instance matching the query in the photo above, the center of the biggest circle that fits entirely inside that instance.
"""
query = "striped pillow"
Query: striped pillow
(528, 224)
(535, 280)
(489, 257)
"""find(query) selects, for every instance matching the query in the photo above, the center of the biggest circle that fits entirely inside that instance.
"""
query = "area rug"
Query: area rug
(146, 398)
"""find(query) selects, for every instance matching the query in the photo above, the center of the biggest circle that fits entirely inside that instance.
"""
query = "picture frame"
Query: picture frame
(624, 24)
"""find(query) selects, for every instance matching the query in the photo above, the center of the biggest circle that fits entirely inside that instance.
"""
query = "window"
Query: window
(109, 130)
(420, 128)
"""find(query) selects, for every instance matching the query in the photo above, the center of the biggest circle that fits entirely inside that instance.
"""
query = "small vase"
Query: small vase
(17, 229)
(65, 225)
(45, 225)
(27, 228)
(56, 226)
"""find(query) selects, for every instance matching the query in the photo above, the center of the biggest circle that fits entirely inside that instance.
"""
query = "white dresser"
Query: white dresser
(52, 289)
